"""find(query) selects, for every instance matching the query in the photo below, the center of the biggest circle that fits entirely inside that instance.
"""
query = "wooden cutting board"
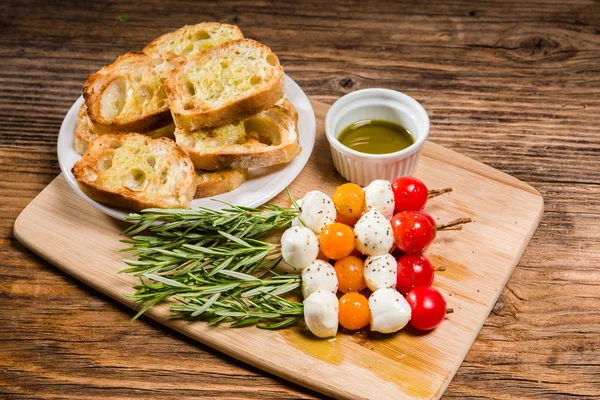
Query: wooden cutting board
(78, 239)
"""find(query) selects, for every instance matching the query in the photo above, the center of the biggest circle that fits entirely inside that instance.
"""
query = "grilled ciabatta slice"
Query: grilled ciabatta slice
(228, 83)
(128, 95)
(265, 139)
(190, 40)
(134, 171)
(85, 134)
(212, 183)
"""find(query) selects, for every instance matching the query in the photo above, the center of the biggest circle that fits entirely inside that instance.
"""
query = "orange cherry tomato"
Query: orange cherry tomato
(357, 253)
(354, 311)
(350, 221)
(322, 256)
(349, 200)
(336, 241)
(350, 274)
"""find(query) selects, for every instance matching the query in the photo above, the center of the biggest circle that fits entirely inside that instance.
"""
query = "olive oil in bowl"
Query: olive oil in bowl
(375, 136)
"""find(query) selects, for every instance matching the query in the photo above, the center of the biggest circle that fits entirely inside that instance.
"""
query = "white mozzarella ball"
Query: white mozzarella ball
(373, 233)
(379, 195)
(317, 211)
(380, 272)
(299, 247)
(390, 311)
(321, 313)
(319, 275)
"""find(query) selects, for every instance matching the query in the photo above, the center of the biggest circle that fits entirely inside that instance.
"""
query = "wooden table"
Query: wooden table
(514, 85)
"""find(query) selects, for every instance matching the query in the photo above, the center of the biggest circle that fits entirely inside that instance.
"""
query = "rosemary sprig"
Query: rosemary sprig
(204, 223)
(239, 298)
(210, 265)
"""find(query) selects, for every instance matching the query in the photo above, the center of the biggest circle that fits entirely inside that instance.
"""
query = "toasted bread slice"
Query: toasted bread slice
(128, 95)
(265, 139)
(190, 40)
(212, 183)
(85, 134)
(228, 83)
(133, 171)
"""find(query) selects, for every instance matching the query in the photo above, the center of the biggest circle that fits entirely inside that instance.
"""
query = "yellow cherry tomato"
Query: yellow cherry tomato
(349, 200)
(354, 311)
(350, 274)
(336, 241)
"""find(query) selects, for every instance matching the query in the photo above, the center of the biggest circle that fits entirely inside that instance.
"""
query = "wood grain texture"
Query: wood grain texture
(504, 83)
(479, 260)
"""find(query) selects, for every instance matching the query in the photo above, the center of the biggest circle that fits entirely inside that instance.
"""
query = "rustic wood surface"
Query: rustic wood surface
(514, 85)
(479, 260)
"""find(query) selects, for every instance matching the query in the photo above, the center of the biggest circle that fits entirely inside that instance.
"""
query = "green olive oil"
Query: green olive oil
(375, 136)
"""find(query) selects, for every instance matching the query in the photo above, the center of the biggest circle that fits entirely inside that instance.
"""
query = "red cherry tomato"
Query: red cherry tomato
(409, 194)
(428, 307)
(413, 231)
(414, 270)
(430, 218)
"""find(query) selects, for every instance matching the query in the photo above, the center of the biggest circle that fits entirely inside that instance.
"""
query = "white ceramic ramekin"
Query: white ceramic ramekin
(384, 104)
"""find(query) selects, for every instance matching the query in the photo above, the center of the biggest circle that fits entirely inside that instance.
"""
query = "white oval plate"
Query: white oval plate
(262, 185)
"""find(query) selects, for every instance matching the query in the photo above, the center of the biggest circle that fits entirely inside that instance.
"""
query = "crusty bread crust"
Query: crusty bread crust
(212, 183)
(280, 120)
(85, 134)
(189, 40)
(142, 76)
(90, 173)
(194, 112)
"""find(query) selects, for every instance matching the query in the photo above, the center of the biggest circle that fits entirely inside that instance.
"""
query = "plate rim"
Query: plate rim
(306, 115)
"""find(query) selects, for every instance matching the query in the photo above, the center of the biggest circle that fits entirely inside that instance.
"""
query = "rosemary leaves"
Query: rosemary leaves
(210, 265)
